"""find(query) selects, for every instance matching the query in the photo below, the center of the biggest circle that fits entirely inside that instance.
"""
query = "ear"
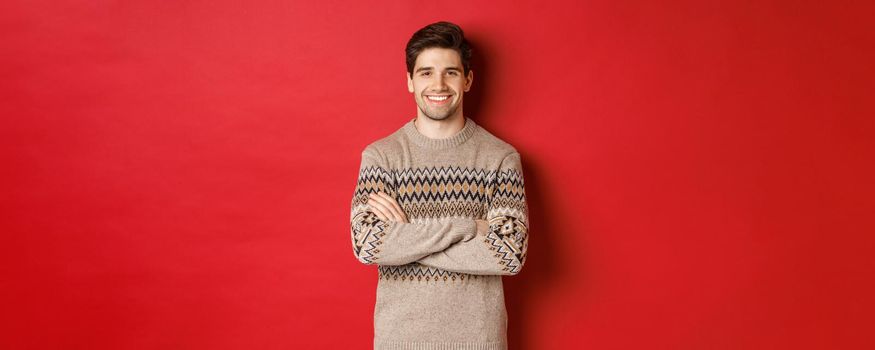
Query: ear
(469, 80)
(409, 83)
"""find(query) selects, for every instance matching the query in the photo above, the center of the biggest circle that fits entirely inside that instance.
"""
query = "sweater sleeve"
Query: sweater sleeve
(502, 249)
(375, 241)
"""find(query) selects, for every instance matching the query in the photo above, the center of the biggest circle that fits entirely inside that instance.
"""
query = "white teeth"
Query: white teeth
(438, 98)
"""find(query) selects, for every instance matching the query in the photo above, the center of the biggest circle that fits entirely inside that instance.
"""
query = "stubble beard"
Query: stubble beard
(436, 114)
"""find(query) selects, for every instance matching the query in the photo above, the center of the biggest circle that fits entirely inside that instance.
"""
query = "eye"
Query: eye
(454, 73)
(426, 73)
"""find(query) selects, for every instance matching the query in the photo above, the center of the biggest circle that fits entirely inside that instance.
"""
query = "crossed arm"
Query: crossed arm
(382, 234)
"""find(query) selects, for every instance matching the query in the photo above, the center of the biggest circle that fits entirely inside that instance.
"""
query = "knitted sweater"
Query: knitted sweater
(440, 275)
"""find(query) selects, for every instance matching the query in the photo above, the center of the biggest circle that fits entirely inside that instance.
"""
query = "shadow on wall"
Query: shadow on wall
(476, 99)
(545, 267)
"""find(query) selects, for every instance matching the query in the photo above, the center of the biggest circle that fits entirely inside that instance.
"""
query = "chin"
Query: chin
(433, 117)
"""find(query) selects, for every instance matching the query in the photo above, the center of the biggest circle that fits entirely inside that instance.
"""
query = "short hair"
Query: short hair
(439, 34)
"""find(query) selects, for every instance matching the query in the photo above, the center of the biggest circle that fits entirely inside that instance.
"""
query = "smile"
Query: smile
(438, 99)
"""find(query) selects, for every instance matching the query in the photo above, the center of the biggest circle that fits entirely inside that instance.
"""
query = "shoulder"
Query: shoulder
(380, 148)
(495, 146)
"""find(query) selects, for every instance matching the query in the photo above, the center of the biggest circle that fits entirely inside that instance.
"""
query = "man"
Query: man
(440, 208)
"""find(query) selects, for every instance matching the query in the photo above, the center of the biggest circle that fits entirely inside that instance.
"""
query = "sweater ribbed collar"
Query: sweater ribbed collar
(457, 139)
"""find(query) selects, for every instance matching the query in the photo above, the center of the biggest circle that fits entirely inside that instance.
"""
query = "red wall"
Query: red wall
(178, 174)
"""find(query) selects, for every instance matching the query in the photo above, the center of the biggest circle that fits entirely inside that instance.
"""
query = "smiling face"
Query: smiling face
(438, 83)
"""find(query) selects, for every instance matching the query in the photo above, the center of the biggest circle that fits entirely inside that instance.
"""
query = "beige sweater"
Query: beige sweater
(440, 284)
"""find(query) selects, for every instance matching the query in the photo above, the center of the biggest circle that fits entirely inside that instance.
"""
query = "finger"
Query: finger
(482, 227)
(377, 200)
(375, 206)
(374, 209)
(388, 204)
(393, 206)
(402, 216)
(379, 205)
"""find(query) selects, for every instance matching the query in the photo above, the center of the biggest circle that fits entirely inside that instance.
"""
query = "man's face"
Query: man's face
(438, 83)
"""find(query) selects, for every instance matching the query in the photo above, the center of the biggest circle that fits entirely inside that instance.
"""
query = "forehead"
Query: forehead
(438, 57)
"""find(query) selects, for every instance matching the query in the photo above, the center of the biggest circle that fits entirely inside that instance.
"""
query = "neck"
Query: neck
(439, 129)
(468, 130)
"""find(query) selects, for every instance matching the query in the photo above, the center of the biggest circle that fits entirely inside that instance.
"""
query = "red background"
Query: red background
(179, 174)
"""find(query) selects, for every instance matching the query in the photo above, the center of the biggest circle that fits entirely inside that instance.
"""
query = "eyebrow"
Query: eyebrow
(457, 69)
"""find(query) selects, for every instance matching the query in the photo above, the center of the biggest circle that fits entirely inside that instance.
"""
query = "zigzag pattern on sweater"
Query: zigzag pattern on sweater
(368, 232)
(435, 192)
(367, 229)
(436, 184)
(420, 273)
(507, 236)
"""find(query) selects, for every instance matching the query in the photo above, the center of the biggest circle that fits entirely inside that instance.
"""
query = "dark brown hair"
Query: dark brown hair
(440, 34)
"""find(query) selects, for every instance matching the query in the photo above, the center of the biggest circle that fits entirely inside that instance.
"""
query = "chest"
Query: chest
(443, 191)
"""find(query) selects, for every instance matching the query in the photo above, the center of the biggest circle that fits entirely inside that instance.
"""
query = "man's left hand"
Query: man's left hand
(386, 208)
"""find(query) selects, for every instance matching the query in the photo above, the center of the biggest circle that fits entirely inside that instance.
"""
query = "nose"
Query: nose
(439, 81)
